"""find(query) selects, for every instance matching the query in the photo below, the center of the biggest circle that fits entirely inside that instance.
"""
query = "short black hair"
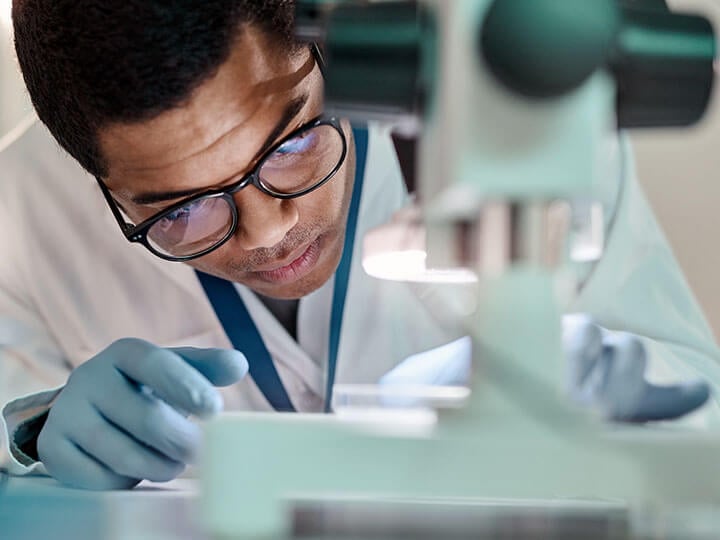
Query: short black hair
(91, 63)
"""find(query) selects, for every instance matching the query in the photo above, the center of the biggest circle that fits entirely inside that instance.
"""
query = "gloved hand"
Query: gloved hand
(447, 365)
(607, 370)
(121, 417)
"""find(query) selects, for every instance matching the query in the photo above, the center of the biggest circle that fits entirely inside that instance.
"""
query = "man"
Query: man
(200, 125)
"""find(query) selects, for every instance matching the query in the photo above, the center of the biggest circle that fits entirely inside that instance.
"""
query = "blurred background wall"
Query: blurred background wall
(679, 169)
(13, 101)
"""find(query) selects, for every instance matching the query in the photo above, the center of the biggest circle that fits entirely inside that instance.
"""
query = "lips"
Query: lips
(297, 265)
(287, 260)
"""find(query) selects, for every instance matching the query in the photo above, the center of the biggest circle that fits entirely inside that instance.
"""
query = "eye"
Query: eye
(296, 145)
(183, 212)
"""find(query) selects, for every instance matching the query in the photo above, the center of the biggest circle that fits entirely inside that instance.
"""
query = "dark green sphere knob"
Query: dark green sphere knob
(547, 48)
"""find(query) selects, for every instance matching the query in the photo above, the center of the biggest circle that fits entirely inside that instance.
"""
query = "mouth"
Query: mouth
(297, 265)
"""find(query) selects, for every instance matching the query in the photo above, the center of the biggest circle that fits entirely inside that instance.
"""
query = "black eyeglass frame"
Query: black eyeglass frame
(138, 233)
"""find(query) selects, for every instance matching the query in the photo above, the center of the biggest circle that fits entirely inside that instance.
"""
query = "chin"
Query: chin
(291, 291)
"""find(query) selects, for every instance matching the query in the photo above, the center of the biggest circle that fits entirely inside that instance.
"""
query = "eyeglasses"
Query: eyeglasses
(295, 166)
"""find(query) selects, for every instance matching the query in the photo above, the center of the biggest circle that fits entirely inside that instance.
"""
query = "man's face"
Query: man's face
(282, 248)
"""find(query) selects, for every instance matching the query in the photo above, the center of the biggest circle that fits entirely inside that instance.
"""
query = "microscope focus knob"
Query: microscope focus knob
(547, 48)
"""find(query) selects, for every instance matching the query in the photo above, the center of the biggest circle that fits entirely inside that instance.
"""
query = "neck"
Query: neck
(285, 311)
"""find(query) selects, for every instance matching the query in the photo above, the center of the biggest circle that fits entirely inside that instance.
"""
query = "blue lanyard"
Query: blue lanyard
(241, 329)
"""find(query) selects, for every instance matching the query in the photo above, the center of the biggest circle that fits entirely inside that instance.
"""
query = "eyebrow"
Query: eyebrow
(291, 111)
(289, 114)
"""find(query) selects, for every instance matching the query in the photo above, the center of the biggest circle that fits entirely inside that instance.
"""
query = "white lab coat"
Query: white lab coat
(70, 284)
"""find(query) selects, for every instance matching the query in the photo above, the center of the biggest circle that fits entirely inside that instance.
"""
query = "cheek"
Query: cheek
(213, 263)
(328, 205)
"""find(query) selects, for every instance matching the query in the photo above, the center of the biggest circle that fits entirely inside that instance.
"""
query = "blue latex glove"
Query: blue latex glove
(448, 365)
(607, 370)
(121, 417)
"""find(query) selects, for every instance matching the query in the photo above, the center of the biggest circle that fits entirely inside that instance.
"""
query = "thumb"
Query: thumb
(222, 367)
(669, 402)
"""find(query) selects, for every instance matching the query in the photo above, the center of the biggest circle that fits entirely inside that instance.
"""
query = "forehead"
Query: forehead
(221, 126)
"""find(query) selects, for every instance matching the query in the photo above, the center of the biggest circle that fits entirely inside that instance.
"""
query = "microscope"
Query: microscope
(512, 103)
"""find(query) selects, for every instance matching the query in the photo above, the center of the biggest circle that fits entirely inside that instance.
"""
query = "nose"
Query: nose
(263, 221)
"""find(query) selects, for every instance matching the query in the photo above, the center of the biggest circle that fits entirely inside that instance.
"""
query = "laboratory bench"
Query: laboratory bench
(38, 508)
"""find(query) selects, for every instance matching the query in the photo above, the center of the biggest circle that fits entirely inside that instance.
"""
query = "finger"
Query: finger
(148, 419)
(73, 467)
(669, 402)
(167, 375)
(222, 367)
(583, 347)
(120, 452)
(624, 384)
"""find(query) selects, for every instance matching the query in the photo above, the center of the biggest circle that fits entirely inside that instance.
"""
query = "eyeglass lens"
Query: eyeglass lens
(298, 164)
